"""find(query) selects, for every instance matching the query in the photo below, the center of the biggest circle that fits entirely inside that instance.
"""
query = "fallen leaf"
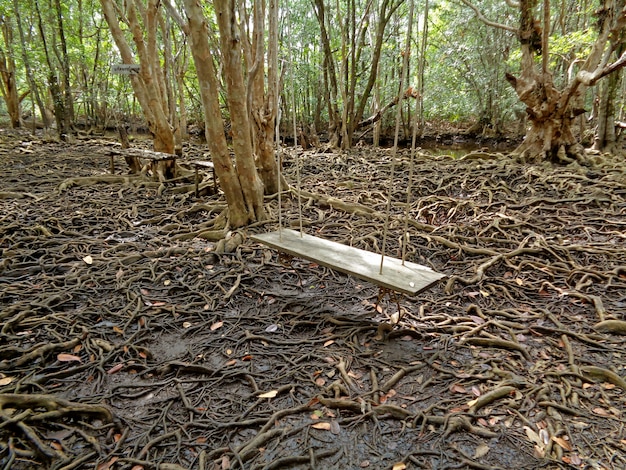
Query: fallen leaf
(107, 465)
(5, 381)
(167, 282)
(88, 259)
(216, 325)
(272, 328)
(320, 381)
(481, 451)
(533, 436)
(270, 394)
(186, 324)
(115, 369)
(398, 466)
(334, 427)
(67, 358)
(248, 357)
(562, 442)
(601, 411)
(519, 281)
(457, 388)
(321, 425)
(364, 464)
(329, 342)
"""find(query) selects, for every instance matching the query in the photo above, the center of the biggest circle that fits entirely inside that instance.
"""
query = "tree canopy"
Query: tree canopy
(338, 65)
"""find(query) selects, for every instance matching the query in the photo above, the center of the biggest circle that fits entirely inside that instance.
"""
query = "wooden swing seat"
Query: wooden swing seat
(409, 278)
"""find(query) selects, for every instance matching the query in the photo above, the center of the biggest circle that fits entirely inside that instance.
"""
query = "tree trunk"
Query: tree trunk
(8, 83)
(29, 70)
(605, 137)
(148, 83)
(242, 137)
(214, 127)
(263, 103)
(552, 112)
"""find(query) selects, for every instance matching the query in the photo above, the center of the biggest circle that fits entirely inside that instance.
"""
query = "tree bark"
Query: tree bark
(147, 85)
(231, 51)
(197, 31)
(263, 104)
(8, 83)
(552, 112)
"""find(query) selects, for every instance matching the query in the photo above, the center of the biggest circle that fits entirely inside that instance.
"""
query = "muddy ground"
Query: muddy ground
(130, 339)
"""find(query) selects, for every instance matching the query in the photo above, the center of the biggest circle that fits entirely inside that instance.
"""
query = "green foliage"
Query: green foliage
(466, 60)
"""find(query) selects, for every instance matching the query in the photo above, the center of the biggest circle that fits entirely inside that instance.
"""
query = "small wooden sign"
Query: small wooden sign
(125, 69)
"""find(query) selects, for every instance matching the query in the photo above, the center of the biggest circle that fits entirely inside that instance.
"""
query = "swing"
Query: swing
(391, 275)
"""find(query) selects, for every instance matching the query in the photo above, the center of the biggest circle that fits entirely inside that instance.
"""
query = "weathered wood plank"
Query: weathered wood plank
(409, 278)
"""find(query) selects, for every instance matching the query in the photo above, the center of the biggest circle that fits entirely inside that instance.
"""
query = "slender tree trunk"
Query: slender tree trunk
(605, 137)
(148, 84)
(214, 126)
(264, 103)
(231, 50)
(68, 100)
(8, 83)
(29, 72)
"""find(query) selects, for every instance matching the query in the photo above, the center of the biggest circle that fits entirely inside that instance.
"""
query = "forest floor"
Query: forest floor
(130, 340)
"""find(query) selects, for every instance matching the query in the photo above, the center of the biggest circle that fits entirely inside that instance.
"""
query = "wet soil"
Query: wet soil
(130, 340)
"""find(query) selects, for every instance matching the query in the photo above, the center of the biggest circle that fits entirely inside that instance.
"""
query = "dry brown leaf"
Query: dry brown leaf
(457, 388)
(562, 442)
(115, 369)
(5, 381)
(398, 466)
(107, 465)
(329, 342)
(322, 425)
(533, 436)
(364, 464)
(320, 381)
(270, 394)
(216, 325)
(67, 358)
(482, 450)
(186, 324)
(601, 411)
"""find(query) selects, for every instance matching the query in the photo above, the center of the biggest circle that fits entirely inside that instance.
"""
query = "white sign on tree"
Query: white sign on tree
(125, 69)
